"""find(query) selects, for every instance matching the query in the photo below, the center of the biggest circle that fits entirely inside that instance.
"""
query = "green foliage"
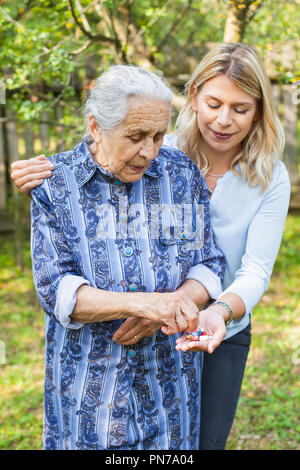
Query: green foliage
(275, 29)
(29, 62)
(42, 45)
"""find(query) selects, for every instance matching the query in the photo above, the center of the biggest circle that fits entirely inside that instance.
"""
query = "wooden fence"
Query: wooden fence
(23, 140)
(18, 140)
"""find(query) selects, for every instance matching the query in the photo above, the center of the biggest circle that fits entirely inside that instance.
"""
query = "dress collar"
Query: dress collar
(84, 166)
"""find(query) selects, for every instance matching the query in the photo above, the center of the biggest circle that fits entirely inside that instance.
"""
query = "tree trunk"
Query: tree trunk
(236, 21)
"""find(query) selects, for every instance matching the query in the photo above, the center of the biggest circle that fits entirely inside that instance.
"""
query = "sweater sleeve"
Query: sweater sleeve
(209, 262)
(263, 241)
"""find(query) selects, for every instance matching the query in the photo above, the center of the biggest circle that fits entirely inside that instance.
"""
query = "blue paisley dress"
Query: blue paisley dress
(99, 394)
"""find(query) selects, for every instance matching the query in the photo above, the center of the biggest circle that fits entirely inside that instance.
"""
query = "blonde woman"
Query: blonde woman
(230, 129)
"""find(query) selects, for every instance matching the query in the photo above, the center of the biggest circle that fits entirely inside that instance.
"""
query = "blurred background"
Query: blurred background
(51, 52)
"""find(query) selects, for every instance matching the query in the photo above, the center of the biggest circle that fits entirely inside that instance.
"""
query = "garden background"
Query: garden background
(50, 54)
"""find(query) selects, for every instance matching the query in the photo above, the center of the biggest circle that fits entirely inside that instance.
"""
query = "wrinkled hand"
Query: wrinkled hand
(27, 174)
(174, 310)
(212, 320)
(133, 329)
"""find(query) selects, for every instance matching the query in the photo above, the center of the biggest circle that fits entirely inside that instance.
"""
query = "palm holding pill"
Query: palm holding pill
(209, 334)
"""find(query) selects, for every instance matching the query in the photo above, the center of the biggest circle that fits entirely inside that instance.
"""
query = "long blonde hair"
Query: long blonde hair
(264, 144)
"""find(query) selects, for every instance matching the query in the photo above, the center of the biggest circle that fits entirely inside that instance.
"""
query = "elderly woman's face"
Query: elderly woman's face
(128, 150)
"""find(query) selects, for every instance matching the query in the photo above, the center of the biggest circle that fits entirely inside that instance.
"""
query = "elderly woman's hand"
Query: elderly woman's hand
(27, 174)
(133, 329)
(212, 321)
(174, 310)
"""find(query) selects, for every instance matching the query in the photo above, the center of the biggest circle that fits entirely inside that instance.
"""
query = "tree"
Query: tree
(52, 50)
(47, 45)
(240, 13)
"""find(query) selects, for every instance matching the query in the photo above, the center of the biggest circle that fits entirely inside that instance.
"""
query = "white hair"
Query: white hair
(108, 99)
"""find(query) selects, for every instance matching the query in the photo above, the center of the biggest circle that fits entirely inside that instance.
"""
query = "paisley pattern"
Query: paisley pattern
(97, 395)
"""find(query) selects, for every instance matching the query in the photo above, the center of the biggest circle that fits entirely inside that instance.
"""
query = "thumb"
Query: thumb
(168, 330)
(39, 157)
(164, 329)
(216, 340)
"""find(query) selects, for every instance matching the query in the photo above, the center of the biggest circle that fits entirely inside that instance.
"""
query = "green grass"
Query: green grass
(268, 411)
(21, 378)
(269, 406)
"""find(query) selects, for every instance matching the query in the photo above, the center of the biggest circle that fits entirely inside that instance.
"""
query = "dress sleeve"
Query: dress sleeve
(57, 271)
(263, 241)
(209, 262)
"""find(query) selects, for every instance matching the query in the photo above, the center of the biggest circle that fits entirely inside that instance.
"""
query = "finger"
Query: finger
(131, 337)
(26, 188)
(191, 346)
(39, 157)
(181, 321)
(184, 346)
(150, 331)
(176, 324)
(191, 320)
(20, 164)
(169, 329)
(155, 327)
(164, 329)
(125, 328)
(29, 169)
(181, 339)
(148, 328)
(38, 160)
(32, 176)
(134, 329)
(128, 342)
(216, 340)
(190, 311)
(171, 321)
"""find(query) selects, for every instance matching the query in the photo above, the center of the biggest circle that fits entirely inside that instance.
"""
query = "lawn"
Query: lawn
(268, 415)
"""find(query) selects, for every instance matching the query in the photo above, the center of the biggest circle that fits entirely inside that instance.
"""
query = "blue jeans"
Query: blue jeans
(221, 385)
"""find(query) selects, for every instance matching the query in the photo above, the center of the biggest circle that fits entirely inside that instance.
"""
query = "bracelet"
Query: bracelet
(228, 308)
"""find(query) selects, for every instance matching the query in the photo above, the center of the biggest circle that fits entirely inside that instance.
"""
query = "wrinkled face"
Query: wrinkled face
(128, 150)
(225, 115)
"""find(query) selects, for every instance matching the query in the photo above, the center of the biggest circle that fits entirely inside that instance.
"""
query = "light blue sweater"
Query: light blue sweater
(248, 226)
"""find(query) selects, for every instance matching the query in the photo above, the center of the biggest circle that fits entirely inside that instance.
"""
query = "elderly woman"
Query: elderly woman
(116, 236)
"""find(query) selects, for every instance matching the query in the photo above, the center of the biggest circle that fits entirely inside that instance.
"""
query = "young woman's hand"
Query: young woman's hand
(213, 322)
(27, 174)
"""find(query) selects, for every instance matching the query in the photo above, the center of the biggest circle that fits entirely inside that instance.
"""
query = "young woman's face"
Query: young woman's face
(225, 115)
